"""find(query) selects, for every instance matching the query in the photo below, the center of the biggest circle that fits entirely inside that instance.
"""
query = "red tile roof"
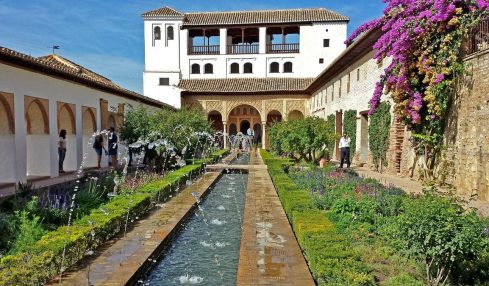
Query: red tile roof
(245, 85)
(251, 17)
(57, 66)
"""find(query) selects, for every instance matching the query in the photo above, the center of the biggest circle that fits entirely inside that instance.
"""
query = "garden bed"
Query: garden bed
(355, 231)
(43, 260)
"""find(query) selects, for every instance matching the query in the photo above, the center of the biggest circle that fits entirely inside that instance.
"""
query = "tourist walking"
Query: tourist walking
(61, 150)
(113, 146)
(345, 150)
(98, 145)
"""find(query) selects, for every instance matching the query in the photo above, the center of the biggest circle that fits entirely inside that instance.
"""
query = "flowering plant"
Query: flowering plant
(423, 38)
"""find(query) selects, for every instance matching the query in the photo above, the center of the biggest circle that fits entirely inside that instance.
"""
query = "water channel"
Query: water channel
(206, 250)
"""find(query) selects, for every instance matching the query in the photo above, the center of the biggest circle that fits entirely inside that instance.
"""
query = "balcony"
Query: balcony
(243, 49)
(283, 48)
(478, 38)
(204, 50)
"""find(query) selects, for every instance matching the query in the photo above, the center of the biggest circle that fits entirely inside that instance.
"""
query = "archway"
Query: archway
(66, 119)
(7, 140)
(89, 125)
(295, 115)
(233, 130)
(273, 116)
(112, 122)
(38, 143)
(243, 116)
(6, 118)
(215, 118)
(244, 126)
(36, 119)
(89, 122)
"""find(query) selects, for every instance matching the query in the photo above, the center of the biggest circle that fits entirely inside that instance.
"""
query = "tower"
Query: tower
(162, 40)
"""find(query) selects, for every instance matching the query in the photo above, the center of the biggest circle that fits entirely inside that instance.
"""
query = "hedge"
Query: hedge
(329, 254)
(43, 261)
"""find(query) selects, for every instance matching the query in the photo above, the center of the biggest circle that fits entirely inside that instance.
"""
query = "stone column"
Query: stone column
(263, 135)
(262, 40)
(224, 133)
(223, 41)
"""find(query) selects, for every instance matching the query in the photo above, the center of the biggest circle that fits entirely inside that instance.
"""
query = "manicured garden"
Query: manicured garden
(354, 231)
(45, 233)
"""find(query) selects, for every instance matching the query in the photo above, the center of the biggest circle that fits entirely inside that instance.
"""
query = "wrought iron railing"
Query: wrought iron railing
(204, 50)
(243, 49)
(283, 48)
(478, 38)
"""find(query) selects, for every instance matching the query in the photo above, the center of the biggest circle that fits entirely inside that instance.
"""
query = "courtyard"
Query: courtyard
(291, 146)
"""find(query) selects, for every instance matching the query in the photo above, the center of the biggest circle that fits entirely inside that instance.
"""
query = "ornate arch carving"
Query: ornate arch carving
(273, 105)
(299, 105)
(257, 104)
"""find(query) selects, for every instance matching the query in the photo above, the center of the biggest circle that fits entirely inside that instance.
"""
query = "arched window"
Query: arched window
(288, 67)
(274, 67)
(248, 68)
(157, 33)
(169, 33)
(195, 69)
(234, 68)
(208, 69)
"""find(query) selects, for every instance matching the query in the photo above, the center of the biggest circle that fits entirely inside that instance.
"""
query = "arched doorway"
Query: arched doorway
(233, 130)
(295, 115)
(89, 126)
(243, 117)
(7, 139)
(244, 126)
(38, 143)
(112, 122)
(272, 117)
(66, 121)
(215, 118)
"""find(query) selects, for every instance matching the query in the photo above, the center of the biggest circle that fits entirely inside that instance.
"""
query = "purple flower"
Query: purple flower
(439, 78)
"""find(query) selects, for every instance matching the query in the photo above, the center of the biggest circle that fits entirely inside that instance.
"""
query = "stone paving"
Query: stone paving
(269, 253)
(117, 262)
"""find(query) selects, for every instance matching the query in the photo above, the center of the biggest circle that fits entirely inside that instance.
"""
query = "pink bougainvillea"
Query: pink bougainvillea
(423, 39)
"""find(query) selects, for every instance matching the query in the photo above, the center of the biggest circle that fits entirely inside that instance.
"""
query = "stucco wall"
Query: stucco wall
(37, 154)
(335, 96)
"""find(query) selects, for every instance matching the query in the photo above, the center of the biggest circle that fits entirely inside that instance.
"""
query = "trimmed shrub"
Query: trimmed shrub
(44, 258)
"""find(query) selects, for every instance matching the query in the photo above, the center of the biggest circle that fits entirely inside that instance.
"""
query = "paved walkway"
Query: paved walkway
(269, 254)
(415, 187)
(8, 189)
(117, 262)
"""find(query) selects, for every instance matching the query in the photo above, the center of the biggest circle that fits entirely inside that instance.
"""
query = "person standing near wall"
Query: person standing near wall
(61, 149)
(113, 146)
(98, 145)
(345, 150)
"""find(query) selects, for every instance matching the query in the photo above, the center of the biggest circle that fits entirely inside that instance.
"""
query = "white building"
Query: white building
(41, 96)
(296, 43)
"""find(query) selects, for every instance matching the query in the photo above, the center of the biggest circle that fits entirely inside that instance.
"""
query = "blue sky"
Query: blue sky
(107, 35)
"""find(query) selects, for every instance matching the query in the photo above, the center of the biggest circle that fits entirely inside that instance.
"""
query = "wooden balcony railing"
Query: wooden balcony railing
(283, 48)
(243, 49)
(479, 38)
(204, 50)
